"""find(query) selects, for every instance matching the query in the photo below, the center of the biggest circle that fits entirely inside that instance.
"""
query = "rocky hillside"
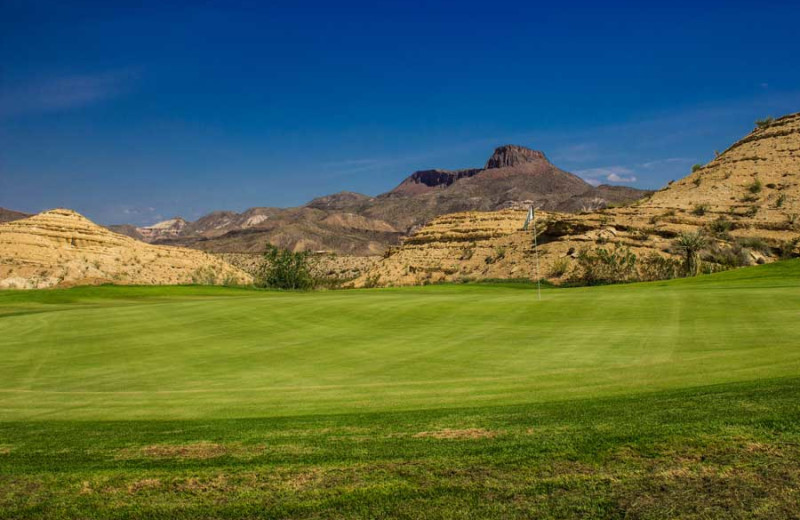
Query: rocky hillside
(746, 202)
(354, 224)
(62, 248)
(299, 229)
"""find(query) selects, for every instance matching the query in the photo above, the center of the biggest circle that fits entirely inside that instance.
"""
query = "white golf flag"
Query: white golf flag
(528, 219)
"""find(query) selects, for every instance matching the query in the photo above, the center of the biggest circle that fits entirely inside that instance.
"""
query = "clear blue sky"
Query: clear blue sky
(133, 114)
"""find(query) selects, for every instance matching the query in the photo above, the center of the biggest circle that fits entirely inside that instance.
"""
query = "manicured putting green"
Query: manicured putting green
(191, 352)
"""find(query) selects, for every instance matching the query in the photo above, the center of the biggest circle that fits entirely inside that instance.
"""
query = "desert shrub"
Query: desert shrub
(756, 186)
(690, 245)
(721, 226)
(727, 257)
(765, 123)
(697, 167)
(750, 198)
(370, 282)
(284, 269)
(700, 209)
(754, 243)
(559, 268)
(697, 181)
(656, 267)
(751, 212)
(605, 266)
(792, 220)
(467, 252)
(788, 247)
(780, 200)
(230, 280)
(204, 276)
(500, 252)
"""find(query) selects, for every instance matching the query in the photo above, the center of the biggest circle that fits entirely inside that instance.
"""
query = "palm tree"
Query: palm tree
(691, 244)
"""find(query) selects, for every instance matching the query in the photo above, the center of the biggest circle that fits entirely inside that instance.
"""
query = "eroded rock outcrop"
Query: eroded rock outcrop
(61, 247)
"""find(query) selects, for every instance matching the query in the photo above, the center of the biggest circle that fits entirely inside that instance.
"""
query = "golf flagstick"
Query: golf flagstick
(536, 253)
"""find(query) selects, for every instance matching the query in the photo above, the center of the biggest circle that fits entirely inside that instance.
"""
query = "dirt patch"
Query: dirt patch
(86, 488)
(200, 450)
(144, 484)
(197, 485)
(447, 433)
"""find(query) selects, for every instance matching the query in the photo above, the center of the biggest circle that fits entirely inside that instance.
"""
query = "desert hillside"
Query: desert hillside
(745, 203)
(61, 248)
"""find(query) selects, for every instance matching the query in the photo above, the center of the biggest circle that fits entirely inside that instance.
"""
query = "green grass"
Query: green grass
(655, 400)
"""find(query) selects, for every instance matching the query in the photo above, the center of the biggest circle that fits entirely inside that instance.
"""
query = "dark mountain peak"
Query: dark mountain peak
(424, 180)
(437, 177)
(513, 155)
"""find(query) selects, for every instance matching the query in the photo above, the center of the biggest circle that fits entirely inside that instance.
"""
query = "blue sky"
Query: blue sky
(133, 112)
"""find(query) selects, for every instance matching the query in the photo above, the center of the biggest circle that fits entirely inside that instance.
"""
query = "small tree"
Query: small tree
(690, 244)
(284, 269)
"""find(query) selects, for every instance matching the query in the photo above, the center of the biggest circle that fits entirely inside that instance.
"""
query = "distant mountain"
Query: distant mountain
(7, 215)
(356, 224)
(303, 228)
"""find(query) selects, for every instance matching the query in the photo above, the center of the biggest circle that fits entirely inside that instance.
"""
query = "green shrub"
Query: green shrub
(284, 269)
(756, 186)
(697, 167)
(751, 212)
(720, 226)
(700, 209)
(780, 201)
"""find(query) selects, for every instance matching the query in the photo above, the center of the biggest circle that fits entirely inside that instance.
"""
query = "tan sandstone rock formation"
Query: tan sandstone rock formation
(61, 247)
